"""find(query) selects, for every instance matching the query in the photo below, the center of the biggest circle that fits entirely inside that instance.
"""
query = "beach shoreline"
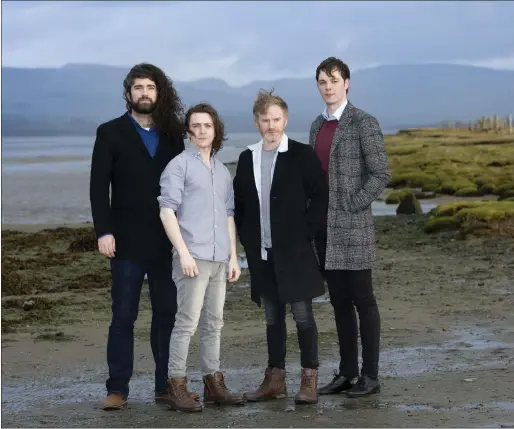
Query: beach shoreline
(447, 339)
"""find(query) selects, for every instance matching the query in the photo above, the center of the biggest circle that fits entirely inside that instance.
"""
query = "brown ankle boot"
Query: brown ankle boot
(308, 393)
(272, 387)
(215, 391)
(179, 399)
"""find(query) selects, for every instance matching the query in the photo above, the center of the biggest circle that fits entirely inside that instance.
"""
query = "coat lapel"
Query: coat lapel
(132, 135)
(345, 119)
(316, 126)
(279, 169)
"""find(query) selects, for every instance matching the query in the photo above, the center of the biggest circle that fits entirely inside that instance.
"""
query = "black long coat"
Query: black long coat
(120, 160)
(298, 203)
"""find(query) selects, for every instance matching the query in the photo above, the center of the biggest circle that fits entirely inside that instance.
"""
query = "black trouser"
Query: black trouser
(349, 290)
(276, 332)
(127, 280)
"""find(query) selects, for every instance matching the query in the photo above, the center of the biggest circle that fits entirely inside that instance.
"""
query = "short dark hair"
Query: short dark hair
(332, 64)
(265, 99)
(219, 127)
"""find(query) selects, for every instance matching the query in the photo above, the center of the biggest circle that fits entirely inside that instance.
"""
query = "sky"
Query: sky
(263, 40)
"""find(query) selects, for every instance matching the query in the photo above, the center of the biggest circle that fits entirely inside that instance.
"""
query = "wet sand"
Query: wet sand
(447, 349)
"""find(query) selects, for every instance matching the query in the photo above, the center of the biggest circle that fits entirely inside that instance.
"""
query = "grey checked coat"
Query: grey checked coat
(358, 173)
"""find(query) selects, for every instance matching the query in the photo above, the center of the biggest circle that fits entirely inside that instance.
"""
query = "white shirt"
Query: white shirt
(337, 114)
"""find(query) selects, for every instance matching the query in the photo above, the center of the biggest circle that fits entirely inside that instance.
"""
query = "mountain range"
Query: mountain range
(76, 98)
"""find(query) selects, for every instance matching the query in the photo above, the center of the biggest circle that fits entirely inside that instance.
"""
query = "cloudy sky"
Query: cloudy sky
(245, 41)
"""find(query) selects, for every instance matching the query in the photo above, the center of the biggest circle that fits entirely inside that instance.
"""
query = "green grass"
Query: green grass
(457, 163)
(476, 217)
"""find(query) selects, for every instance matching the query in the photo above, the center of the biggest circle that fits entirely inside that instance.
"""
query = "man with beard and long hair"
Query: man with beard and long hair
(129, 155)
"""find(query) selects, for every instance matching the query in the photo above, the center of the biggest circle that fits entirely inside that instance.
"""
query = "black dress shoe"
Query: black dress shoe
(338, 384)
(365, 386)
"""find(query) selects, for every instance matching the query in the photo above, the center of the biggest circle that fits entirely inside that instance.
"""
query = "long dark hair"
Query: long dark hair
(169, 110)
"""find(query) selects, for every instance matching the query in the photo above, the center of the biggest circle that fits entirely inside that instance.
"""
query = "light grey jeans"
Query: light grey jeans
(201, 300)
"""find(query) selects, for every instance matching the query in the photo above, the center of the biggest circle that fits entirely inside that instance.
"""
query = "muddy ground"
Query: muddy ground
(447, 345)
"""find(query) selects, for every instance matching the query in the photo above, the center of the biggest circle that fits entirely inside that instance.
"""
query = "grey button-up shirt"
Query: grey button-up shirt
(202, 200)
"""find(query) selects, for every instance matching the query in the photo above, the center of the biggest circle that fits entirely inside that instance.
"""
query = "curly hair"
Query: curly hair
(169, 110)
(264, 100)
(219, 127)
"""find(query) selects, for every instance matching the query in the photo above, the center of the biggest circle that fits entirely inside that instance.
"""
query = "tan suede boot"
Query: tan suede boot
(272, 387)
(308, 393)
(215, 391)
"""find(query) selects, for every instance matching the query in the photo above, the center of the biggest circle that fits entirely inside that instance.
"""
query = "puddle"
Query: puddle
(242, 285)
(417, 407)
(476, 348)
(508, 406)
(321, 299)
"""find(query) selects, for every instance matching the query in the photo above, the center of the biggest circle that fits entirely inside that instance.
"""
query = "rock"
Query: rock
(28, 305)
(409, 205)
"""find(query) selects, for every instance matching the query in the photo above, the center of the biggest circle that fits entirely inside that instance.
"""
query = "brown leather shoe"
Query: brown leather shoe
(114, 401)
(272, 387)
(308, 393)
(215, 391)
(179, 399)
(164, 396)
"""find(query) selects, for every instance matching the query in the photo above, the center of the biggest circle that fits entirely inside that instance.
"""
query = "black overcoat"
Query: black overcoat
(298, 203)
(120, 160)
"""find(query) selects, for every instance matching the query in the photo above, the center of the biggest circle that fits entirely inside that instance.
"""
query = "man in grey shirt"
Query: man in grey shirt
(197, 211)
(267, 158)
(280, 198)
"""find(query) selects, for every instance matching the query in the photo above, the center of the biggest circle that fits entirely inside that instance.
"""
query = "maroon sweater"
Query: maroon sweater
(323, 144)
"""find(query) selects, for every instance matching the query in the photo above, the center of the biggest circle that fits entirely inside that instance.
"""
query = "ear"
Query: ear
(346, 83)
(256, 122)
(285, 121)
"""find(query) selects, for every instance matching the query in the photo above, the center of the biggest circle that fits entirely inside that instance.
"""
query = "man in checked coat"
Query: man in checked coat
(350, 146)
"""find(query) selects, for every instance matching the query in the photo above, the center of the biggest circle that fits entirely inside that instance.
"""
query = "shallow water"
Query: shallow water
(474, 347)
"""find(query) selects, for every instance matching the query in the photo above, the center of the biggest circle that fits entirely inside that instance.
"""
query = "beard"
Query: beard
(144, 106)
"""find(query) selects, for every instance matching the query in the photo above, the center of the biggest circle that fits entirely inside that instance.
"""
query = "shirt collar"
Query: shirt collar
(337, 114)
(282, 147)
(193, 150)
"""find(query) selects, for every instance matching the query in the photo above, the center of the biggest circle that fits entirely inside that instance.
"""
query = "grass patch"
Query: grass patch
(476, 218)
(397, 196)
(457, 163)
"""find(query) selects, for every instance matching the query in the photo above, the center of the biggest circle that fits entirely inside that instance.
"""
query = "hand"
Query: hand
(107, 245)
(233, 270)
(188, 265)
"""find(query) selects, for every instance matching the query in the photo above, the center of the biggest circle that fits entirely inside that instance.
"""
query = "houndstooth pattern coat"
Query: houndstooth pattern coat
(358, 173)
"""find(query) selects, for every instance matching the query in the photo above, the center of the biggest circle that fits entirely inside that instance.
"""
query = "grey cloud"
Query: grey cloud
(242, 41)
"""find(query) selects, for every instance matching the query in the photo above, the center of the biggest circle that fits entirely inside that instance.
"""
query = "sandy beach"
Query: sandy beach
(447, 345)
(446, 301)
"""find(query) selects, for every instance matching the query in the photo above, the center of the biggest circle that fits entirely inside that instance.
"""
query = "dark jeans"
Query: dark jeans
(276, 332)
(127, 280)
(350, 290)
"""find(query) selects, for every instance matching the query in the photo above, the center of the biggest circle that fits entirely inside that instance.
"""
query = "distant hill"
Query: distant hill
(74, 99)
